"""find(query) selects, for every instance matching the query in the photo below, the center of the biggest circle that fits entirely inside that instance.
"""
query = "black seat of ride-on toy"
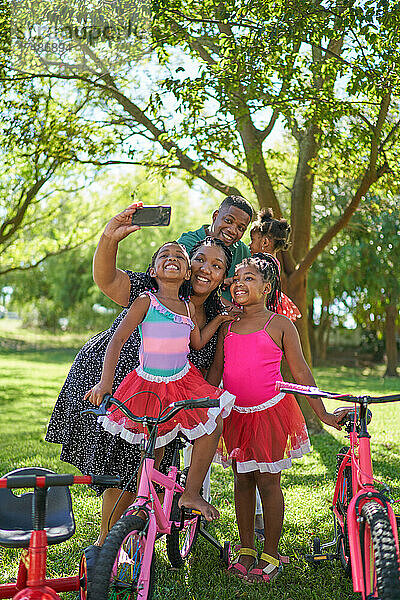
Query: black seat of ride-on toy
(16, 513)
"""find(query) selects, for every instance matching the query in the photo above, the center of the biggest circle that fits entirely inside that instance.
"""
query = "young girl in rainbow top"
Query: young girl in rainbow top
(265, 430)
(166, 324)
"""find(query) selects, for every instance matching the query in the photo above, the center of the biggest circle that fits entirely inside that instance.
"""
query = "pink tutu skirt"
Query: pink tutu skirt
(265, 438)
(189, 383)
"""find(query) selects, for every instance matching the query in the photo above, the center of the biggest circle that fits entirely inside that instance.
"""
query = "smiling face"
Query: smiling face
(229, 224)
(171, 262)
(249, 286)
(208, 269)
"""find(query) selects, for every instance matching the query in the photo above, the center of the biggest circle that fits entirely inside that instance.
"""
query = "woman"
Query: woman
(85, 444)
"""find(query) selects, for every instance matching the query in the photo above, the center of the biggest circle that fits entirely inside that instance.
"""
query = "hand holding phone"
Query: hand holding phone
(120, 226)
(152, 216)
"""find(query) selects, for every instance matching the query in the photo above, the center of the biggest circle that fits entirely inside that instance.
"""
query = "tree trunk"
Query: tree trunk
(312, 333)
(391, 346)
(324, 329)
(298, 293)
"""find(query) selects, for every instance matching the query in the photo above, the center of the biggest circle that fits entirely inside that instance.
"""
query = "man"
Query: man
(229, 223)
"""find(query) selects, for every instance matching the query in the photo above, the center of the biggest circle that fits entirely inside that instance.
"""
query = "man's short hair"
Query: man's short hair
(239, 202)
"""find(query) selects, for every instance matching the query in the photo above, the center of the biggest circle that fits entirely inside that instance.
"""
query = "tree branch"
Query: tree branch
(194, 43)
(10, 225)
(161, 136)
(67, 248)
(369, 179)
(389, 136)
(228, 164)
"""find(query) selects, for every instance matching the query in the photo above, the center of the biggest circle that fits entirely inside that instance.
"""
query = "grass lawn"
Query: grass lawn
(33, 367)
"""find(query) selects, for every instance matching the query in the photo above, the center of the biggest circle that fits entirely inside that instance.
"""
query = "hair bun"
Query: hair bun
(265, 215)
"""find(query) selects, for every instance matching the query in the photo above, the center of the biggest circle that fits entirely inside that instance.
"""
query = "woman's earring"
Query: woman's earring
(219, 291)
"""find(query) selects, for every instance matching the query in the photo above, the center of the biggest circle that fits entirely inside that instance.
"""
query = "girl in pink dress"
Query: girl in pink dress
(265, 430)
(166, 323)
(269, 235)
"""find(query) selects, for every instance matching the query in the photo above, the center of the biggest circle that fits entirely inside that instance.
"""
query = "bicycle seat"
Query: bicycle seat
(16, 513)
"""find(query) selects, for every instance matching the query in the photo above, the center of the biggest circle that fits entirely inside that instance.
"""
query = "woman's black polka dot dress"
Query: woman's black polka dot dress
(85, 444)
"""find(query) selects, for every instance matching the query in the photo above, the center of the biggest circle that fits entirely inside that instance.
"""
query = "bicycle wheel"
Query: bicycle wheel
(180, 543)
(384, 576)
(343, 501)
(120, 572)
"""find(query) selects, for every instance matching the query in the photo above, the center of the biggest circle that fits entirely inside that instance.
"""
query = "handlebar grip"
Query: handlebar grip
(344, 419)
(33, 481)
(202, 403)
(55, 479)
(100, 410)
(19, 481)
(106, 480)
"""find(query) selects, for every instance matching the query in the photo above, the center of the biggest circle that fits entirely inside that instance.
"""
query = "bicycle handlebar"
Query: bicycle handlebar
(175, 407)
(54, 479)
(307, 390)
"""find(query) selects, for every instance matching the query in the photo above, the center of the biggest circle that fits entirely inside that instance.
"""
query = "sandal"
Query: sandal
(264, 574)
(284, 560)
(236, 568)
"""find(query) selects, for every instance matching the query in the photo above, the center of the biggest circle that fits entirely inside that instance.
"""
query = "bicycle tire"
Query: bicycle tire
(342, 504)
(180, 543)
(119, 568)
(387, 565)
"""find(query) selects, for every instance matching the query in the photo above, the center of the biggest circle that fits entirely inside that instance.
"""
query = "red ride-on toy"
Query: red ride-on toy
(35, 520)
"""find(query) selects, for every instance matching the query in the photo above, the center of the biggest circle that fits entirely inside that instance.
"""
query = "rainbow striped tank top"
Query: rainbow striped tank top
(164, 342)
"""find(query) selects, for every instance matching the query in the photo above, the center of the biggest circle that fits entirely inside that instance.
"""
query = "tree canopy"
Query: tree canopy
(203, 88)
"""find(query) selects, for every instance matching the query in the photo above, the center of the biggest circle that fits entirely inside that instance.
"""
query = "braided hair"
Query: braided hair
(267, 266)
(213, 305)
(276, 229)
(151, 284)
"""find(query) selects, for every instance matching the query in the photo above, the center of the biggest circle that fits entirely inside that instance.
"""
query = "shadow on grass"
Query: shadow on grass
(40, 354)
(385, 458)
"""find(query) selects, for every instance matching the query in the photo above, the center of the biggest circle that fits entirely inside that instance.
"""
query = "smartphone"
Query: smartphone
(147, 216)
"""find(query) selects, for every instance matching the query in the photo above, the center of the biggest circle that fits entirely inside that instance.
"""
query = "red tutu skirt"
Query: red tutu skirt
(264, 438)
(288, 308)
(189, 383)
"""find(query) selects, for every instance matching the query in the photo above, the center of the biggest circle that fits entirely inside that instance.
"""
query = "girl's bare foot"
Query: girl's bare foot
(196, 502)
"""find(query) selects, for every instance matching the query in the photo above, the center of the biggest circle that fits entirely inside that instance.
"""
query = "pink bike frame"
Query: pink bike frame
(359, 459)
(158, 521)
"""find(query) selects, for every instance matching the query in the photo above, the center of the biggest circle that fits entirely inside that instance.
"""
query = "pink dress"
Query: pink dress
(164, 369)
(265, 429)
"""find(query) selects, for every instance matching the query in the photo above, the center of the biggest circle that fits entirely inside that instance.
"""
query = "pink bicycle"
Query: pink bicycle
(365, 527)
(125, 567)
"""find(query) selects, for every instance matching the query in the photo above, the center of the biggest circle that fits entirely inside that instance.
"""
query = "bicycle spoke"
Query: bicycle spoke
(121, 572)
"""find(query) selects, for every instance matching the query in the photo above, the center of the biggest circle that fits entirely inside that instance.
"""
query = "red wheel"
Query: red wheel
(83, 578)
(86, 570)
